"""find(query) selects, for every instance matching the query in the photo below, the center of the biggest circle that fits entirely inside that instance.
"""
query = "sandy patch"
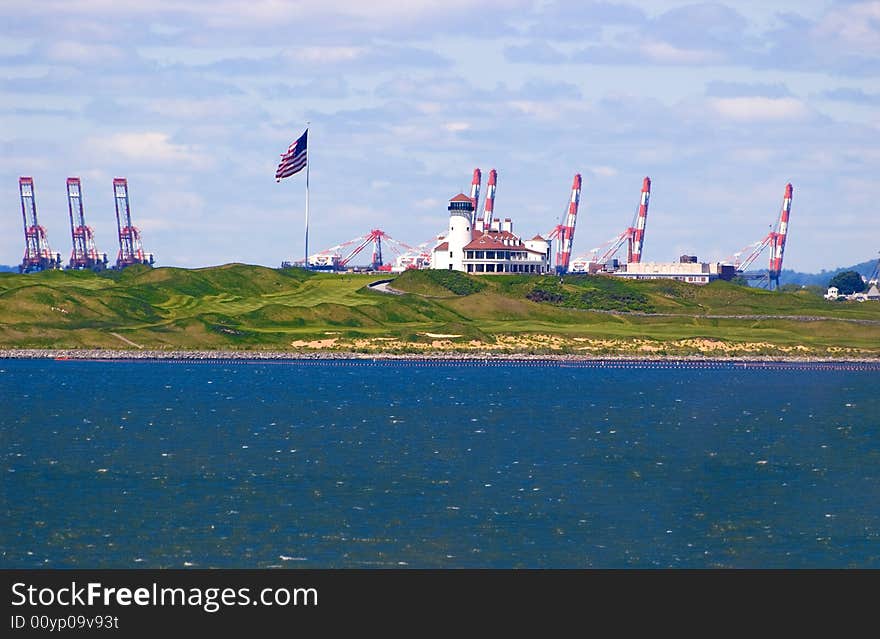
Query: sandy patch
(318, 343)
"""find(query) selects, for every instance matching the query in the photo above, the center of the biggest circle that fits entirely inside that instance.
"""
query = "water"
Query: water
(158, 464)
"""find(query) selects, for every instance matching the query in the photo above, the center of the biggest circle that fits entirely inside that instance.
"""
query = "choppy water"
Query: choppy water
(153, 464)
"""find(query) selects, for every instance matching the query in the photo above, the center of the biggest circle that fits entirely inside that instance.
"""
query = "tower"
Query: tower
(459, 235)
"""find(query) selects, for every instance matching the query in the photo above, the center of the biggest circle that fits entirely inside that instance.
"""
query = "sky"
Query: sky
(193, 102)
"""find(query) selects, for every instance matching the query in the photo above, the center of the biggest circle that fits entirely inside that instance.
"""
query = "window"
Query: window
(450, 253)
(479, 255)
(450, 267)
(490, 255)
(480, 268)
(470, 268)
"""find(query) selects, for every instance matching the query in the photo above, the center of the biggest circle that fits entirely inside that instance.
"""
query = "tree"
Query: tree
(848, 282)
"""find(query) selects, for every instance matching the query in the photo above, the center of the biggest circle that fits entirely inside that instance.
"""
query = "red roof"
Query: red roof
(442, 247)
(461, 197)
(538, 238)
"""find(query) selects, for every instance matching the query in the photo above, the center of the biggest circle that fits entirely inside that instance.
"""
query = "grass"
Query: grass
(236, 306)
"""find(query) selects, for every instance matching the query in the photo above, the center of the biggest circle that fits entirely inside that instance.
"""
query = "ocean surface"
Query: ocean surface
(383, 464)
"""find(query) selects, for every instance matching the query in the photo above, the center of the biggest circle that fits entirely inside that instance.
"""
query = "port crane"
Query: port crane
(563, 233)
(338, 257)
(633, 236)
(131, 250)
(84, 254)
(489, 205)
(38, 256)
(775, 239)
(476, 183)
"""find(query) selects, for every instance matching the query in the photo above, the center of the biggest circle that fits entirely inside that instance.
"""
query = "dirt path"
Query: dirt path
(127, 341)
(382, 287)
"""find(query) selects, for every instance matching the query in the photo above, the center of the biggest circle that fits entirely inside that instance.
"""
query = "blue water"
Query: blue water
(159, 464)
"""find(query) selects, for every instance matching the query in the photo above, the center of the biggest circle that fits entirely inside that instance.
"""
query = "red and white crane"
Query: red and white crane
(489, 207)
(475, 194)
(131, 250)
(777, 248)
(775, 239)
(564, 232)
(84, 253)
(338, 257)
(38, 256)
(637, 234)
(633, 235)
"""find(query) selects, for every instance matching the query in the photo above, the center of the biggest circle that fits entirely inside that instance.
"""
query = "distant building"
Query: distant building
(832, 293)
(688, 270)
(873, 294)
(497, 250)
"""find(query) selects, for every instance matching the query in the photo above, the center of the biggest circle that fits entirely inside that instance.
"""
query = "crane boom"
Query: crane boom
(637, 234)
(777, 249)
(489, 207)
(84, 253)
(131, 250)
(566, 232)
(38, 255)
(475, 194)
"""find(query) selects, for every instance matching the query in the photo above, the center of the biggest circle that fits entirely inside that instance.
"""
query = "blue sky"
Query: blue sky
(720, 104)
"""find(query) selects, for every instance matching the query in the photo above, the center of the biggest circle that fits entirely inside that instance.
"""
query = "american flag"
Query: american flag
(295, 159)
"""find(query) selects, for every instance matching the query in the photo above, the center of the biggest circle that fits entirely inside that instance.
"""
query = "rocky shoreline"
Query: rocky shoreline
(109, 354)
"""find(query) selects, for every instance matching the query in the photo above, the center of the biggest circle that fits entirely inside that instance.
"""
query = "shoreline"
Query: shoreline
(484, 357)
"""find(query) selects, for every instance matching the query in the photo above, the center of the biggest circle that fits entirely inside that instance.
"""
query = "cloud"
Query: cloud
(603, 171)
(724, 89)
(72, 52)
(853, 28)
(665, 53)
(756, 109)
(581, 20)
(148, 147)
(534, 53)
(852, 95)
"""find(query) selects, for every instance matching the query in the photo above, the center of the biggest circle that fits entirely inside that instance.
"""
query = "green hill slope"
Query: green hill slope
(236, 306)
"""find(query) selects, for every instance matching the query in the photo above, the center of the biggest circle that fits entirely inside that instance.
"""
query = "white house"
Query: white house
(832, 293)
(496, 250)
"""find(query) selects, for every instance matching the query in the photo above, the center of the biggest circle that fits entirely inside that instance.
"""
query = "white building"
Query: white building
(832, 293)
(497, 250)
(693, 272)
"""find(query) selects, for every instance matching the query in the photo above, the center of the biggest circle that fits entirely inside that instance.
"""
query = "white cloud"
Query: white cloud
(854, 28)
(148, 147)
(457, 127)
(71, 52)
(429, 203)
(603, 171)
(755, 108)
(324, 54)
(665, 53)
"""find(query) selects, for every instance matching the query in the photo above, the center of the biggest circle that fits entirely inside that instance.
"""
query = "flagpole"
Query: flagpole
(308, 162)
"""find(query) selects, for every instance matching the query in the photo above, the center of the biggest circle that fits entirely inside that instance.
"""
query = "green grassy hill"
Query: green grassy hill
(237, 306)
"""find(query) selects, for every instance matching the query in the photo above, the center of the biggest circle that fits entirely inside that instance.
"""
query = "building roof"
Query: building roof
(493, 241)
(461, 197)
(442, 247)
(873, 292)
(538, 238)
